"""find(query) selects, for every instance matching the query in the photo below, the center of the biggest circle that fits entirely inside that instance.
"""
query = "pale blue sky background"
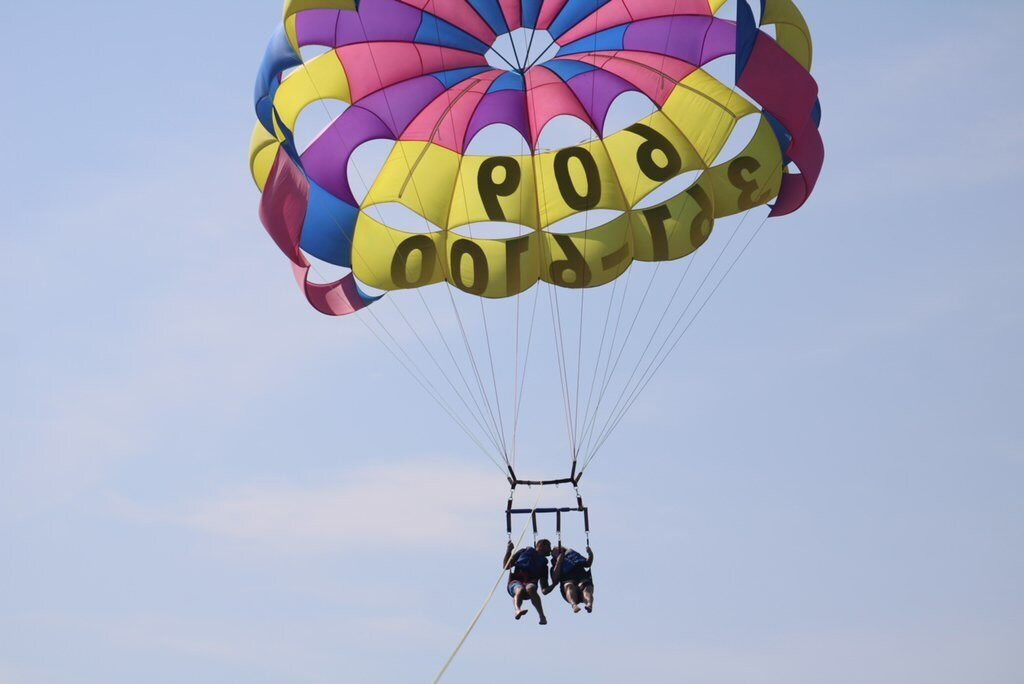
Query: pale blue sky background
(204, 481)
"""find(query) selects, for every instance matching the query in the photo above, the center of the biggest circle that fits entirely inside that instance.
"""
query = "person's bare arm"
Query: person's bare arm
(509, 557)
(556, 571)
(590, 557)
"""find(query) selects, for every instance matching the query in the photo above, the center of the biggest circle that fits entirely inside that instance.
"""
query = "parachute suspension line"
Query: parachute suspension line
(556, 329)
(497, 432)
(500, 424)
(627, 391)
(556, 324)
(583, 294)
(689, 264)
(515, 367)
(476, 368)
(605, 377)
(601, 395)
(474, 411)
(433, 394)
(662, 355)
(518, 388)
(521, 383)
(441, 370)
(600, 349)
(622, 348)
(494, 376)
(490, 596)
(424, 382)
(515, 388)
(590, 420)
(650, 376)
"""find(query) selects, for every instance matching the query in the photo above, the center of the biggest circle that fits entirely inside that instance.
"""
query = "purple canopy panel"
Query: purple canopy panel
(399, 104)
(619, 12)
(378, 21)
(317, 27)
(596, 91)
(326, 160)
(500, 107)
(680, 37)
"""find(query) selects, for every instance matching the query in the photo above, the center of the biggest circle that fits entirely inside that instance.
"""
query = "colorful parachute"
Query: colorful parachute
(432, 74)
(428, 79)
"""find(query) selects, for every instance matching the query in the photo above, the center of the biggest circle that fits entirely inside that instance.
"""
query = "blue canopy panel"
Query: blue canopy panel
(573, 13)
(329, 228)
(510, 80)
(609, 39)
(568, 68)
(490, 12)
(531, 13)
(279, 56)
(434, 31)
(453, 77)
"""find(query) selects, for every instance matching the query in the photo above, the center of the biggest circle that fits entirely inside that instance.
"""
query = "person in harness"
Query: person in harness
(572, 571)
(527, 568)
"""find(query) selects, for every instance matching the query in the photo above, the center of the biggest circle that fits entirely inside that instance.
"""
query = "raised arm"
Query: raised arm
(510, 558)
(590, 557)
(556, 571)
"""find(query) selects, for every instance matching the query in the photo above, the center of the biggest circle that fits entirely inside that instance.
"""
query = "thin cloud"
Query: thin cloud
(412, 505)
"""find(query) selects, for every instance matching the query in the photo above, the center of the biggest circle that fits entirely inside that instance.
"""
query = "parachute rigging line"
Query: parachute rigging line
(724, 110)
(497, 430)
(425, 383)
(678, 339)
(588, 418)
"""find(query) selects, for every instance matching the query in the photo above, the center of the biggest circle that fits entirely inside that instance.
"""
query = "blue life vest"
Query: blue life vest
(572, 562)
(532, 563)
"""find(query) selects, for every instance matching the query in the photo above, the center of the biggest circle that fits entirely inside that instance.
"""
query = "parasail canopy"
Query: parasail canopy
(432, 74)
(432, 78)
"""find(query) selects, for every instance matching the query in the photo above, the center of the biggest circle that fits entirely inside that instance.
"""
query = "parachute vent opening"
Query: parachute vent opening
(521, 49)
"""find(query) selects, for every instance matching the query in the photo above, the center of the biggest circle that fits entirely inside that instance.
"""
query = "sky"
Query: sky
(206, 481)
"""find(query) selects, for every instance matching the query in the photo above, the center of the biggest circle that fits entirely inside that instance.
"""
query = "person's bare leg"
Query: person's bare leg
(588, 597)
(572, 592)
(517, 601)
(535, 599)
